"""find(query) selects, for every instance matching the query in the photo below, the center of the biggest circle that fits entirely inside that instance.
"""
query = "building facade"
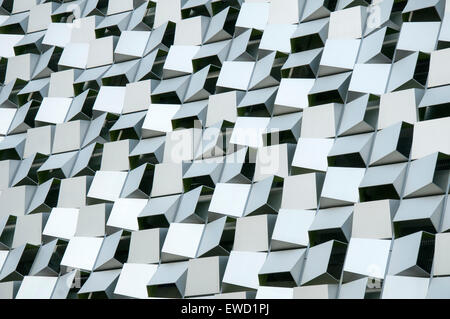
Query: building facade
(224, 149)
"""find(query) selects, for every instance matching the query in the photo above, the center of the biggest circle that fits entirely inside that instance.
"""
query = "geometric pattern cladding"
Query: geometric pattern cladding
(224, 149)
